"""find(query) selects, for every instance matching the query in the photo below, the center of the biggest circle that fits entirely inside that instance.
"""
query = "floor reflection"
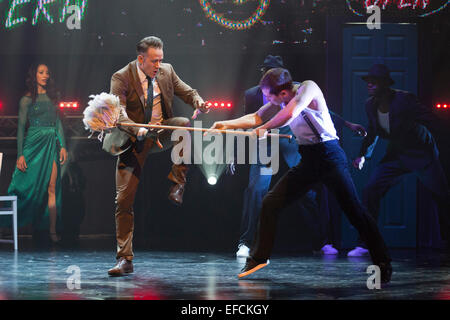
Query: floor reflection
(175, 275)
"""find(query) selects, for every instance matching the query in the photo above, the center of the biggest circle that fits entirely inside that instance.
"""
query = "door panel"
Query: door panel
(396, 46)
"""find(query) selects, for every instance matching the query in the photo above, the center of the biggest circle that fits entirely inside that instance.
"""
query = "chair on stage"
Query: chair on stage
(11, 209)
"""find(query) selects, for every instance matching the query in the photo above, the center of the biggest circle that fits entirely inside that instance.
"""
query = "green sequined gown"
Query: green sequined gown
(40, 146)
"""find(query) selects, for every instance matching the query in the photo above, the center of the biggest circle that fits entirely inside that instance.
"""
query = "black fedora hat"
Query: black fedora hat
(379, 71)
(272, 62)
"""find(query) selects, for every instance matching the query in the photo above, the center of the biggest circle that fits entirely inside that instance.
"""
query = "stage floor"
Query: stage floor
(189, 275)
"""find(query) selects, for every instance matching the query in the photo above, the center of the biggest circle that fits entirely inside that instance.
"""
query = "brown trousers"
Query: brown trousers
(128, 171)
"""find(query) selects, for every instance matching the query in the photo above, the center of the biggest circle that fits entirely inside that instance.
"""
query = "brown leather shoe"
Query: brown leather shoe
(176, 194)
(122, 267)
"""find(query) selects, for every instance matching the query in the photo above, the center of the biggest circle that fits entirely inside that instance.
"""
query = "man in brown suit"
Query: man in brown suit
(146, 88)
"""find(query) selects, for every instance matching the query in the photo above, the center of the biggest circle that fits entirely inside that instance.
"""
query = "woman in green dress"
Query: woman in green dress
(40, 153)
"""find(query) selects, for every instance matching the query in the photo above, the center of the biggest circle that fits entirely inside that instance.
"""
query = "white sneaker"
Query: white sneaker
(329, 249)
(243, 251)
(358, 252)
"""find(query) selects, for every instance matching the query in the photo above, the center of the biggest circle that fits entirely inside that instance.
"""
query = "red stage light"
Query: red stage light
(68, 105)
(442, 106)
(219, 104)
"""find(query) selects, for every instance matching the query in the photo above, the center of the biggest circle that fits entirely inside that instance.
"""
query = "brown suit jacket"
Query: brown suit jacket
(126, 85)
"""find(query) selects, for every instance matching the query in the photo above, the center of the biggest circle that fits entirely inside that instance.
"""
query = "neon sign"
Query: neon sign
(41, 11)
(400, 4)
(233, 24)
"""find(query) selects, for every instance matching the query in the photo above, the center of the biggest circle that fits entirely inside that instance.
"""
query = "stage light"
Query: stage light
(219, 104)
(442, 106)
(68, 105)
(212, 180)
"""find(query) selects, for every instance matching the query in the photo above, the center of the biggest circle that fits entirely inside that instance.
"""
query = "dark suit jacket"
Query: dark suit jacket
(409, 138)
(253, 100)
(126, 85)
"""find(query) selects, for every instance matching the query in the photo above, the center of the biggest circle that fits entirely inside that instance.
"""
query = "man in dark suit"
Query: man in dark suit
(146, 88)
(399, 117)
(259, 184)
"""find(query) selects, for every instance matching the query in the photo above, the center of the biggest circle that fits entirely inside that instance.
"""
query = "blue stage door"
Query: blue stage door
(396, 46)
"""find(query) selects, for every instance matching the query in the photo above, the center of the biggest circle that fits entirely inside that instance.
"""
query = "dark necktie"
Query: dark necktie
(149, 103)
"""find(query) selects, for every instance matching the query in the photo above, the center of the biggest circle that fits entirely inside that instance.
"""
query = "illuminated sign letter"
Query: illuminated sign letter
(80, 4)
(9, 20)
(41, 8)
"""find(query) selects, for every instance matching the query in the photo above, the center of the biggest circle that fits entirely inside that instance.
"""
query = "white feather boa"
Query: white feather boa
(102, 113)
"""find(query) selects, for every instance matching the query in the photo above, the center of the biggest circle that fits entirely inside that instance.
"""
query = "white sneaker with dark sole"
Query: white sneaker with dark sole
(251, 266)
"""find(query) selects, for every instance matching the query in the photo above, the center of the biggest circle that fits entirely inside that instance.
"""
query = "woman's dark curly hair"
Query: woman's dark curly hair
(32, 85)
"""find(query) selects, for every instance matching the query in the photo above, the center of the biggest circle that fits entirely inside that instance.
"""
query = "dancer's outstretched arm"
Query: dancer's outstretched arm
(246, 122)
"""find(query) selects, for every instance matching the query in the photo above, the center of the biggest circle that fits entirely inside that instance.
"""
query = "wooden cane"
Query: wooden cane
(157, 126)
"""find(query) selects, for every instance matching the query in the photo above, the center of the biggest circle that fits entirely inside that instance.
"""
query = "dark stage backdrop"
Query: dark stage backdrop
(219, 62)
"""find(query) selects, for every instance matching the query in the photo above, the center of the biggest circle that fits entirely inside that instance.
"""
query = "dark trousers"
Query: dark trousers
(258, 186)
(389, 173)
(327, 163)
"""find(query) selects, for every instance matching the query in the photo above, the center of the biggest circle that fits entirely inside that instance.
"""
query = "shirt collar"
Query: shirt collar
(141, 74)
